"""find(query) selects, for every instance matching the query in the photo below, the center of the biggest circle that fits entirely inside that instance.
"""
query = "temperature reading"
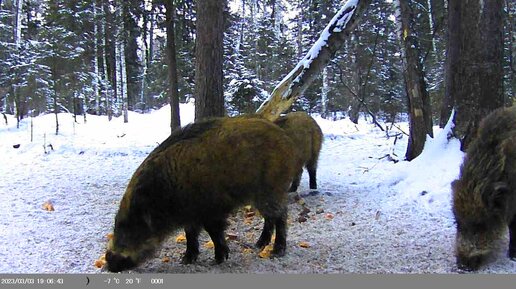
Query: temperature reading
(111, 281)
(130, 281)
(123, 281)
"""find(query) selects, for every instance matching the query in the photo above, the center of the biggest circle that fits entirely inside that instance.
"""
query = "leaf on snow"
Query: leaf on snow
(48, 206)
(180, 238)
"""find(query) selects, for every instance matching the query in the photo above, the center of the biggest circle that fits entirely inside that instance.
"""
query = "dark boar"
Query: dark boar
(484, 196)
(307, 137)
(195, 179)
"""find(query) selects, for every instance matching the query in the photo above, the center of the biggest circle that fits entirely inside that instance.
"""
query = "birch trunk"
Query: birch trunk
(96, 74)
(324, 93)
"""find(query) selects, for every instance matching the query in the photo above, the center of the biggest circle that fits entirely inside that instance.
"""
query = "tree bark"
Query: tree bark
(491, 73)
(420, 115)
(300, 78)
(209, 100)
(106, 58)
(452, 64)
(173, 92)
(474, 71)
(96, 74)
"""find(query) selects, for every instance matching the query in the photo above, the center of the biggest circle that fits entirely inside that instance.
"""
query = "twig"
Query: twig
(399, 128)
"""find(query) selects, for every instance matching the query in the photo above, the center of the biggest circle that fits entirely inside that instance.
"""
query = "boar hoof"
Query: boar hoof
(221, 255)
(278, 252)
(116, 262)
(292, 189)
(262, 243)
(189, 258)
(469, 264)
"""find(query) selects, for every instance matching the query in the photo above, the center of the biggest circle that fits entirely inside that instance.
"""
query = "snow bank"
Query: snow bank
(426, 179)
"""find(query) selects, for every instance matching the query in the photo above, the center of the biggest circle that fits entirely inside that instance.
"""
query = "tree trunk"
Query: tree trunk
(474, 73)
(300, 78)
(151, 36)
(299, 35)
(324, 93)
(465, 85)
(105, 55)
(491, 74)
(209, 100)
(17, 25)
(55, 93)
(120, 65)
(453, 51)
(96, 74)
(420, 115)
(173, 92)
(123, 78)
(355, 103)
(18, 10)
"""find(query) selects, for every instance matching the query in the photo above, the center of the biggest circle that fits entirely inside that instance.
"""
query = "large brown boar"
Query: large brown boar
(307, 137)
(195, 179)
(484, 196)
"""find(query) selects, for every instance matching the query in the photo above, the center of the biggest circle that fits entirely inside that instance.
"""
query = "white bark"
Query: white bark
(17, 22)
(324, 92)
(144, 80)
(108, 90)
(118, 73)
(96, 74)
(299, 36)
(120, 67)
(123, 71)
(278, 16)
(431, 24)
(242, 25)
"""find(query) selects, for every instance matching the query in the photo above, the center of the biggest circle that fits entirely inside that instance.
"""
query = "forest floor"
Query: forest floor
(369, 215)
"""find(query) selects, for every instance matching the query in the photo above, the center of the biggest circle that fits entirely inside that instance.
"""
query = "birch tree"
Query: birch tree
(96, 73)
(120, 64)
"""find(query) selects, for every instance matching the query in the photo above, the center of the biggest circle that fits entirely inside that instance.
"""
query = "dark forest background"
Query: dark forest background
(105, 57)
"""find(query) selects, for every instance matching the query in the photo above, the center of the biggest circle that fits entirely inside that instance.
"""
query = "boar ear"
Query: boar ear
(497, 199)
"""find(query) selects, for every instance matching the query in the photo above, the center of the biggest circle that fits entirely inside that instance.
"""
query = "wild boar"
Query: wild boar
(195, 179)
(484, 195)
(307, 137)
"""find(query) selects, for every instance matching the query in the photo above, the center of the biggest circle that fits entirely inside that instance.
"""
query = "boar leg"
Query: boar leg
(296, 181)
(192, 244)
(265, 237)
(216, 231)
(280, 244)
(312, 172)
(512, 241)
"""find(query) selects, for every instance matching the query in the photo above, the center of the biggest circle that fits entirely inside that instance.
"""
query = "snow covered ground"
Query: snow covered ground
(371, 215)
